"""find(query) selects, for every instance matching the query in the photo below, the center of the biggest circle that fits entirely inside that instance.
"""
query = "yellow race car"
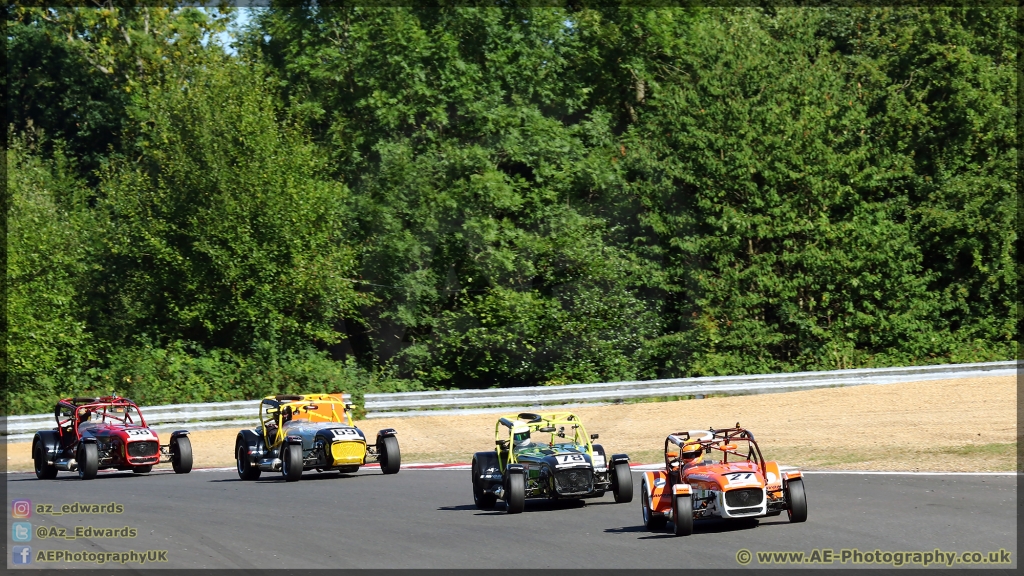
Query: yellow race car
(310, 432)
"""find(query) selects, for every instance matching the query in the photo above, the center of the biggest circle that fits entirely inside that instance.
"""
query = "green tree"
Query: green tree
(49, 246)
(763, 163)
(462, 135)
(221, 230)
(941, 84)
(72, 71)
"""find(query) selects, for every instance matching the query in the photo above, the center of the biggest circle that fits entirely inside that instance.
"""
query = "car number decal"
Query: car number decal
(345, 433)
(569, 459)
(139, 433)
(742, 479)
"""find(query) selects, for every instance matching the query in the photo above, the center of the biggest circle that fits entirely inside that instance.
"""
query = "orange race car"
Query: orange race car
(718, 473)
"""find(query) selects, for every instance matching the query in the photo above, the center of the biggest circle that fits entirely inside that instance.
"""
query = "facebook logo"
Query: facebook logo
(21, 531)
(21, 554)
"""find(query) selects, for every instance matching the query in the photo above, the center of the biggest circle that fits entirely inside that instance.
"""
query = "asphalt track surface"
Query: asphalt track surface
(426, 519)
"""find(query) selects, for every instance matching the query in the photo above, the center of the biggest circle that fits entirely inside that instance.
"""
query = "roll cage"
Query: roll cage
(69, 413)
(723, 440)
(554, 424)
(276, 411)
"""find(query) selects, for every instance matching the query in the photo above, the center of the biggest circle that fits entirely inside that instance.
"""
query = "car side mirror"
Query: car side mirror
(593, 436)
(350, 406)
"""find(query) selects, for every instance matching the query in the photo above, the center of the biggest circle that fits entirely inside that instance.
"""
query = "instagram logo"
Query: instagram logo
(21, 508)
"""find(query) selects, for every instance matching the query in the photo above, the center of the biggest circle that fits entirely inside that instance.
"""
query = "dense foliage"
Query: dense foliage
(376, 199)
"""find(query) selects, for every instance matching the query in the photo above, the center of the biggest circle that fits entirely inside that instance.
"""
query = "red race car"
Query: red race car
(93, 434)
(718, 473)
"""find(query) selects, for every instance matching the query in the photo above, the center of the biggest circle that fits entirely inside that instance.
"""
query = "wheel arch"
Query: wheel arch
(50, 441)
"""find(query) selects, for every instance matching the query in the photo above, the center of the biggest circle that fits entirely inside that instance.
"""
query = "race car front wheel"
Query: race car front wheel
(244, 466)
(44, 470)
(291, 463)
(796, 501)
(181, 455)
(88, 461)
(515, 498)
(622, 483)
(651, 521)
(682, 515)
(483, 500)
(390, 456)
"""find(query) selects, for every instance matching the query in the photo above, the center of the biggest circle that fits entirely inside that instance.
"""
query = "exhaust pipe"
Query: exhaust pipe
(69, 465)
(270, 464)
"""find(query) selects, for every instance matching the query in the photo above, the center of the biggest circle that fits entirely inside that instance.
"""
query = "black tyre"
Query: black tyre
(622, 483)
(390, 455)
(483, 500)
(181, 455)
(515, 497)
(44, 470)
(142, 469)
(291, 462)
(88, 461)
(651, 520)
(682, 515)
(245, 468)
(796, 501)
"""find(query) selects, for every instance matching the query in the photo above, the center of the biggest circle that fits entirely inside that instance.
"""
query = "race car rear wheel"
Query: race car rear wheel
(622, 483)
(291, 462)
(796, 501)
(483, 500)
(515, 498)
(142, 469)
(181, 455)
(682, 515)
(245, 468)
(44, 470)
(651, 521)
(88, 461)
(390, 455)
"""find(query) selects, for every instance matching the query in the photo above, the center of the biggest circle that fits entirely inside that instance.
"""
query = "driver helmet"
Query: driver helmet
(521, 437)
(83, 415)
(690, 453)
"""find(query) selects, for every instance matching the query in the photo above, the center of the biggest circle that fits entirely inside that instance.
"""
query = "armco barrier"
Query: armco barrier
(463, 401)
(444, 402)
(240, 413)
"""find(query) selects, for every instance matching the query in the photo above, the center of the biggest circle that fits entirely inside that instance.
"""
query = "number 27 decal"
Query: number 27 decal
(742, 478)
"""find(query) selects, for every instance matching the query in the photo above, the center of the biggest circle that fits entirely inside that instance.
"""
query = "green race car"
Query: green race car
(546, 456)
